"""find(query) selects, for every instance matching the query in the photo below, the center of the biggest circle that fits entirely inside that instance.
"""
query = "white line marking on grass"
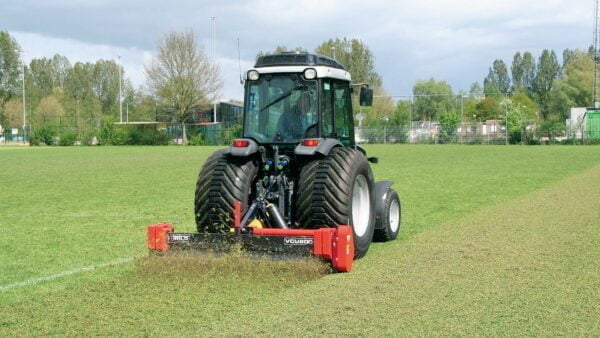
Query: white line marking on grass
(39, 280)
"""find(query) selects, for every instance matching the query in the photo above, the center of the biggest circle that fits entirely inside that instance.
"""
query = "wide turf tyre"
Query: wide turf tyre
(335, 190)
(391, 218)
(222, 180)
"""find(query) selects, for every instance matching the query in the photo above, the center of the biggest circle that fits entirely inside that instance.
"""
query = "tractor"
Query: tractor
(296, 182)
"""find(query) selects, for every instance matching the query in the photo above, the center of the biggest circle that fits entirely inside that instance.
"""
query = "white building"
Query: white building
(576, 122)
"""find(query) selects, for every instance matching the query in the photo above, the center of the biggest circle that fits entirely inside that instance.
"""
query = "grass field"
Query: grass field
(495, 240)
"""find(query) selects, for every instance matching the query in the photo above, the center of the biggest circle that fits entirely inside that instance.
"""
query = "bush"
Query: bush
(88, 138)
(151, 137)
(67, 138)
(43, 135)
(592, 141)
(112, 135)
(197, 140)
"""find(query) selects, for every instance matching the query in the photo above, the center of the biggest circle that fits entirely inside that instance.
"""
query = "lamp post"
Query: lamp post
(386, 119)
(462, 117)
(214, 75)
(506, 120)
(24, 120)
(120, 93)
(78, 125)
(410, 120)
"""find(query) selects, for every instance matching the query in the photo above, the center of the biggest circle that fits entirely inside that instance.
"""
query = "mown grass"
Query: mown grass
(465, 262)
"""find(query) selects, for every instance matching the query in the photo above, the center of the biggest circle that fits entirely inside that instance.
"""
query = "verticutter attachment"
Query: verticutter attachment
(334, 245)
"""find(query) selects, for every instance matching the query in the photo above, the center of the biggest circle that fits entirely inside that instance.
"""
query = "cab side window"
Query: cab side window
(327, 109)
(343, 112)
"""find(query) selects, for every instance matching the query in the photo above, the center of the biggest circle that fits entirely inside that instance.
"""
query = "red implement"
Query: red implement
(334, 245)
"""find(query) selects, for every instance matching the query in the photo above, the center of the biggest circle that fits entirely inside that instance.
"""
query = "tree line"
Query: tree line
(181, 79)
(531, 91)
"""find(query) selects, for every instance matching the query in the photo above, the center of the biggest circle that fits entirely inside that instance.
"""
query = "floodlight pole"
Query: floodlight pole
(214, 22)
(410, 120)
(78, 125)
(506, 120)
(24, 121)
(462, 117)
(120, 94)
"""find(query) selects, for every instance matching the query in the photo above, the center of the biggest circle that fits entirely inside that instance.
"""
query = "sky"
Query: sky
(455, 41)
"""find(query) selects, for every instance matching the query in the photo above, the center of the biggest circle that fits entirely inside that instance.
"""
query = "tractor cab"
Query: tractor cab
(292, 97)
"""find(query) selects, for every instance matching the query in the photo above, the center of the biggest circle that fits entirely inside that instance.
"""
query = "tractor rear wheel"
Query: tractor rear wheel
(222, 180)
(335, 190)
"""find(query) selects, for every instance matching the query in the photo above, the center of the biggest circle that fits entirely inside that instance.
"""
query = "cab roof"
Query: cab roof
(297, 59)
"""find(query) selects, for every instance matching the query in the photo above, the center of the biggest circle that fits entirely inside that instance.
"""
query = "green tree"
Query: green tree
(181, 75)
(529, 70)
(522, 113)
(497, 80)
(432, 99)
(486, 109)
(48, 112)
(79, 92)
(476, 89)
(573, 89)
(517, 70)
(44, 77)
(143, 107)
(41, 73)
(567, 55)
(13, 110)
(448, 124)
(547, 71)
(105, 84)
(10, 70)
(356, 57)
(401, 115)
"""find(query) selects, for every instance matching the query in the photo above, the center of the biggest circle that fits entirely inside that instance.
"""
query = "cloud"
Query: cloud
(454, 40)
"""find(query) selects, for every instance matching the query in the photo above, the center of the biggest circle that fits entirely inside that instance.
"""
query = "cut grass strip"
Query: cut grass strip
(525, 267)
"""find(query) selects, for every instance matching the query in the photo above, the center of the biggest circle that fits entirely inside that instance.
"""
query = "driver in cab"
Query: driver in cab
(293, 122)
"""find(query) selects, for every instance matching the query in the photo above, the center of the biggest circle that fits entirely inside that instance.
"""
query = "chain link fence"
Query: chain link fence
(425, 132)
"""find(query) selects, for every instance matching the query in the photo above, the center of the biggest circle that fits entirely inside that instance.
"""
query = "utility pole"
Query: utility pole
(214, 22)
(506, 119)
(386, 119)
(24, 120)
(120, 94)
(595, 103)
(78, 126)
(410, 120)
(462, 118)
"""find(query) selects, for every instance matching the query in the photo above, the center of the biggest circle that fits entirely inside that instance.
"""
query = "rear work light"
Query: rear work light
(311, 142)
(241, 143)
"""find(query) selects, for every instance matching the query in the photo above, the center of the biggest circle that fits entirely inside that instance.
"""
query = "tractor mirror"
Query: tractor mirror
(366, 97)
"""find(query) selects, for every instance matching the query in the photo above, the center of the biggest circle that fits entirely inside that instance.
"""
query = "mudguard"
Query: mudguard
(252, 148)
(381, 190)
(324, 147)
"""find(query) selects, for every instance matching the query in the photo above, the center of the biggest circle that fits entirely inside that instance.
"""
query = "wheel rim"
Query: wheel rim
(394, 215)
(361, 206)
